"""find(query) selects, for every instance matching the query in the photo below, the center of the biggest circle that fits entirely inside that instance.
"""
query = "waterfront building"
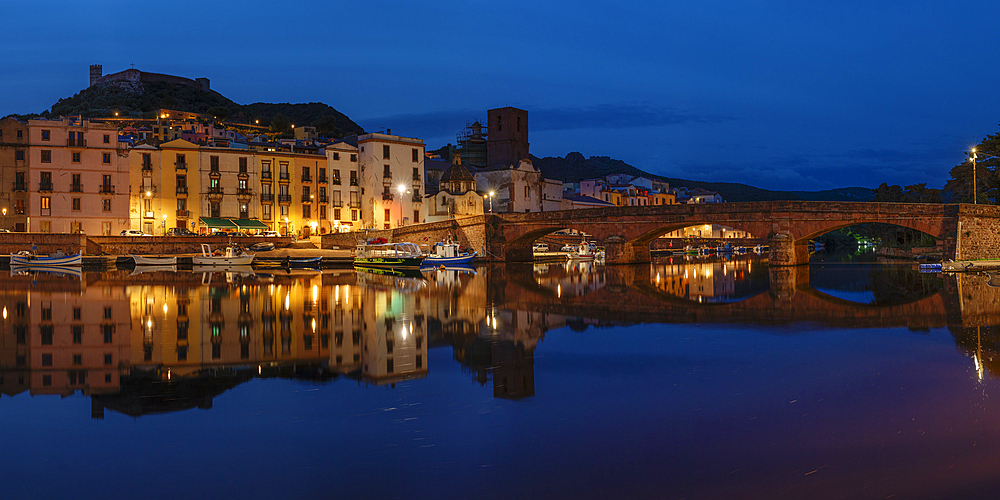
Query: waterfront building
(391, 180)
(76, 167)
(344, 189)
(14, 164)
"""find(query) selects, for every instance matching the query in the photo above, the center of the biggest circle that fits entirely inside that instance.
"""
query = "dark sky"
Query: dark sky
(777, 94)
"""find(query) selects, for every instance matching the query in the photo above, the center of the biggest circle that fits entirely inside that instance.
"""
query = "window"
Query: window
(353, 157)
(214, 209)
(19, 134)
(19, 207)
(45, 135)
(106, 158)
(243, 165)
(77, 313)
(78, 358)
(46, 156)
(385, 152)
(266, 211)
(416, 155)
(107, 139)
(19, 154)
(518, 123)
(336, 214)
(388, 215)
(76, 157)
(354, 215)
(336, 156)
(244, 213)
(46, 226)
(499, 123)
(46, 331)
(322, 212)
(106, 204)
(416, 216)
(46, 203)
(109, 332)
(336, 177)
(107, 359)
(76, 204)
(214, 163)
(306, 177)
(47, 361)
(527, 195)
(354, 178)
(77, 334)
(306, 211)
(386, 172)
(284, 210)
(181, 204)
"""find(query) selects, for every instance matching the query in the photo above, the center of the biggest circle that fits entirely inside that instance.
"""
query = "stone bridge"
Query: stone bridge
(967, 231)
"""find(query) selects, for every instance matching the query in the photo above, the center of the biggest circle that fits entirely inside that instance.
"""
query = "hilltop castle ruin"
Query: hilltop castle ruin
(132, 79)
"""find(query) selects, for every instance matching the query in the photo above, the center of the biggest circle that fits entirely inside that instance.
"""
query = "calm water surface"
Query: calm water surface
(680, 379)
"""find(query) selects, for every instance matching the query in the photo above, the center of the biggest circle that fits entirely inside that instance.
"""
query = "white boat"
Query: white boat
(381, 255)
(582, 253)
(233, 256)
(142, 260)
(26, 258)
(447, 254)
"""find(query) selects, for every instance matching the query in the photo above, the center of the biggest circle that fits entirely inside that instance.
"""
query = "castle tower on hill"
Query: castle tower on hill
(507, 142)
(96, 72)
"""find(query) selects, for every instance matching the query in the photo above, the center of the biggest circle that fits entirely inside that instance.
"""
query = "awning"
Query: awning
(250, 224)
(217, 223)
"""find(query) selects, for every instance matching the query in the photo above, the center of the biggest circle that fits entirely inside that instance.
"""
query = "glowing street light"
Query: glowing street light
(491, 195)
(972, 158)
(402, 191)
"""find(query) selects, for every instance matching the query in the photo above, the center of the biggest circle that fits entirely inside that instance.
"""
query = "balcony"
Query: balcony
(416, 177)
(107, 189)
(321, 180)
(323, 198)
(387, 196)
(244, 194)
(284, 198)
(354, 182)
(307, 178)
(337, 203)
(265, 174)
(266, 197)
(79, 143)
(354, 204)
(335, 181)
(307, 198)
(181, 165)
(417, 198)
(182, 190)
(20, 186)
(386, 177)
(76, 188)
(183, 214)
(283, 176)
(147, 166)
(45, 186)
(215, 193)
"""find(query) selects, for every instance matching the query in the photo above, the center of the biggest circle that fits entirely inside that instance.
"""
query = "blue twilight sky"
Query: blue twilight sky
(777, 94)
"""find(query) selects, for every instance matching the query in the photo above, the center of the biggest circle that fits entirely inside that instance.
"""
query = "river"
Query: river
(684, 378)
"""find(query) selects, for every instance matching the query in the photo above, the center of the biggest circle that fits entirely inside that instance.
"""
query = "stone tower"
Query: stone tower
(507, 142)
(96, 72)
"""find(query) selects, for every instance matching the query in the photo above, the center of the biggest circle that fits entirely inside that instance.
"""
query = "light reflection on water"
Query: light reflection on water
(703, 378)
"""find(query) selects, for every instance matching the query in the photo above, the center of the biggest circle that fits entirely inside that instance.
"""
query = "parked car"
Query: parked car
(540, 247)
(269, 234)
(180, 231)
(133, 232)
(568, 248)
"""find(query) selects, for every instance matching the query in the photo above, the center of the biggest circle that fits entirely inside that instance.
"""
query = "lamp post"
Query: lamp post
(164, 224)
(402, 191)
(5, 219)
(492, 194)
(972, 158)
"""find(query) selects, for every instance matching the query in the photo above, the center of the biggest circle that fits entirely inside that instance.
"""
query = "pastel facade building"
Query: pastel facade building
(14, 164)
(391, 170)
(78, 179)
(344, 189)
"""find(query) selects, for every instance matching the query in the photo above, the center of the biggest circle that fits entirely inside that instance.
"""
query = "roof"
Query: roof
(456, 173)
(590, 200)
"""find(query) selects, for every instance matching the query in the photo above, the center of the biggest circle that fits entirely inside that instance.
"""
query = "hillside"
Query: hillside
(575, 167)
(105, 100)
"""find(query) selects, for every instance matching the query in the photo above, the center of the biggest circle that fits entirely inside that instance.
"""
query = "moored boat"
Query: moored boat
(26, 258)
(446, 254)
(398, 256)
(143, 260)
(582, 253)
(302, 261)
(71, 271)
(233, 256)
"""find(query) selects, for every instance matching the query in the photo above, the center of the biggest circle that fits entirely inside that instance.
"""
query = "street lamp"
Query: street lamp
(974, 188)
(402, 191)
(492, 194)
(164, 225)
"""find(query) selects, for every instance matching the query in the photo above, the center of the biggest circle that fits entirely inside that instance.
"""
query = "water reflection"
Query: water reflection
(166, 341)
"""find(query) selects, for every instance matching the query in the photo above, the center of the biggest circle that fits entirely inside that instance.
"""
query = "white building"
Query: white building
(391, 178)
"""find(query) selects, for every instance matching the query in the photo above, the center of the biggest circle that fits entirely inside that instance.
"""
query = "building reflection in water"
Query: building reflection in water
(159, 342)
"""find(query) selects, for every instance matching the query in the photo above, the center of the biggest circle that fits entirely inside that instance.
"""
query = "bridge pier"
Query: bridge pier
(787, 251)
(618, 251)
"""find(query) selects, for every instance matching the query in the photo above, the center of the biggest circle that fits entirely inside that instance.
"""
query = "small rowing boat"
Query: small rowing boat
(143, 260)
(233, 256)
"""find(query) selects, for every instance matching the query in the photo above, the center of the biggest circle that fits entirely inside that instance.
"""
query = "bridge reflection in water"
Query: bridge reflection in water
(161, 342)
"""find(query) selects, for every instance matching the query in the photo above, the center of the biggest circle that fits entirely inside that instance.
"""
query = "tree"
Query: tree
(280, 124)
(886, 192)
(221, 113)
(958, 189)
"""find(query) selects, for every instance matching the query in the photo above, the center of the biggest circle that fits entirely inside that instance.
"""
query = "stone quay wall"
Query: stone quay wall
(469, 232)
(124, 245)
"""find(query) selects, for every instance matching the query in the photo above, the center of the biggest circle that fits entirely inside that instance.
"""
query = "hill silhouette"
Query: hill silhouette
(100, 101)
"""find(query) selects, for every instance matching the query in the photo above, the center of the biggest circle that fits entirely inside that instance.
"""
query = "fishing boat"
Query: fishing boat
(26, 258)
(302, 261)
(582, 253)
(143, 260)
(233, 256)
(446, 254)
(380, 255)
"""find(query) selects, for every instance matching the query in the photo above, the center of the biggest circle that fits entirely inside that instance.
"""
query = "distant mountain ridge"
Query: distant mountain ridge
(574, 167)
(102, 100)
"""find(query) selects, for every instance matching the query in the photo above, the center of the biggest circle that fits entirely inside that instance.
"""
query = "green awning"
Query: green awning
(250, 224)
(217, 223)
